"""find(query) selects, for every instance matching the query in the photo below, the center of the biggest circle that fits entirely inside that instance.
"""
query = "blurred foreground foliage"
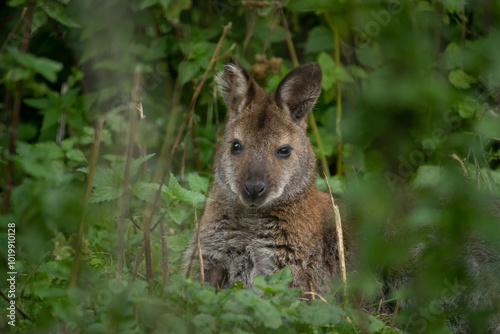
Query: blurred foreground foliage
(414, 87)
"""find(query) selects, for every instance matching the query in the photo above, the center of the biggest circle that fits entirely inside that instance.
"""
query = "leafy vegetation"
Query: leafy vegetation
(110, 121)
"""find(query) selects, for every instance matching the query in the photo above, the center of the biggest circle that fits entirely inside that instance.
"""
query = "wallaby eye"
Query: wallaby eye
(284, 151)
(236, 146)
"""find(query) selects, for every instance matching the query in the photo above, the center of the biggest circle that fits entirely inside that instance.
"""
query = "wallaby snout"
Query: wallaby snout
(254, 190)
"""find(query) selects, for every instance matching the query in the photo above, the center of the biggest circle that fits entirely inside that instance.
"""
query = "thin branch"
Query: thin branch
(13, 32)
(164, 252)
(151, 208)
(312, 120)
(340, 237)
(30, 275)
(81, 230)
(461, 162)
(200, 255)
(16, 114)
(338, 129)
(20, 310)
(126, 176)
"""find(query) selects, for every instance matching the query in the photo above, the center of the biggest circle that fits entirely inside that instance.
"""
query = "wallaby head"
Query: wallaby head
(266, 157)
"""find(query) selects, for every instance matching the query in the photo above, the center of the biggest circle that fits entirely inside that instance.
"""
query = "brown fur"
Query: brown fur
(265, 212)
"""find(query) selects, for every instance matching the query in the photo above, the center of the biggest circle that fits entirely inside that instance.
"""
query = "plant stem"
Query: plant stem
(312, 120)
(75, 268)
(16, 113)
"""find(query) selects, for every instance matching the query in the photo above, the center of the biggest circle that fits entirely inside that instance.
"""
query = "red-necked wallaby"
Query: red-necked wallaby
(265, 212)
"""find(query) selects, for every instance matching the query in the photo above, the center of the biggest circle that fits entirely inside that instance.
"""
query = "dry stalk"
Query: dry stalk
(314, 294)
(18, 309)
(200, 255)
(12, 33)
(164, 252)
(312, 120)
(126, 178)
(16, 114)
(340, 237)
(338, 129)
(81, 229)
(461, 162)
(393, 320)
(148, 216)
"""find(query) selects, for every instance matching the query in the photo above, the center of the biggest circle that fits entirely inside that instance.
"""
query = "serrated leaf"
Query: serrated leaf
(187, 70)
(76, 155)
(58, 13)
(176, 213)
(274, 283)
(48, 68)
(460, 79)
(136, 164)
(145, 191)
(428, 176)
(319, 39)
(319, 314)
(42, 103)
(452, 56)
(198, 183)
(176, 192)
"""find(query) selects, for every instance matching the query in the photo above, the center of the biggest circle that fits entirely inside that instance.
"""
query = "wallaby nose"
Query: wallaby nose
(254, 188)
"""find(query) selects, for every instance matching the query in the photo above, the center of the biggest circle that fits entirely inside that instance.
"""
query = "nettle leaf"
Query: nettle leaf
(76, 155)
(145, 191)
(107, 185)
(198, 183)
(428, 176)
(177, 193)
(48, 68)
(58, 13)
(176, 213)
(187, 70)
(319, 39)
(468, 107)
(460, 79)
(319, 314)
(136, 164)
(332, 72)
(274, 283)
(263, 309)
(452, 56)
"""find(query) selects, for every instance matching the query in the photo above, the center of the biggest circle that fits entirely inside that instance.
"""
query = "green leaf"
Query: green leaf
(452, 56)
(176, 213)
(48, 68)
(204, 323)
(319, 39)
(468, 108)
(58, 13)
(145, 191)
(274, 283)
(187, 70)
(176, 192)
(198, 183)
(76, 155)
(428, 176)
(319, 314)
(460, 79)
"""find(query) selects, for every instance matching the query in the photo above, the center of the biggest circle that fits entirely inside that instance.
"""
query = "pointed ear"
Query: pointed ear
(236, 86)
(298, 91)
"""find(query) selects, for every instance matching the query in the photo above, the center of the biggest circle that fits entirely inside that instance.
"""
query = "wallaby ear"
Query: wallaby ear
(298, 91)
(236, 86)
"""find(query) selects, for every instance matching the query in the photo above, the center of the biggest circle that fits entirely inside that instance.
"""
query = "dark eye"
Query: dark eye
(284, 151)
(236, 146)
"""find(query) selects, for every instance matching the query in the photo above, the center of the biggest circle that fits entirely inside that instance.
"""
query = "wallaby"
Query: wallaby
(265, 212)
